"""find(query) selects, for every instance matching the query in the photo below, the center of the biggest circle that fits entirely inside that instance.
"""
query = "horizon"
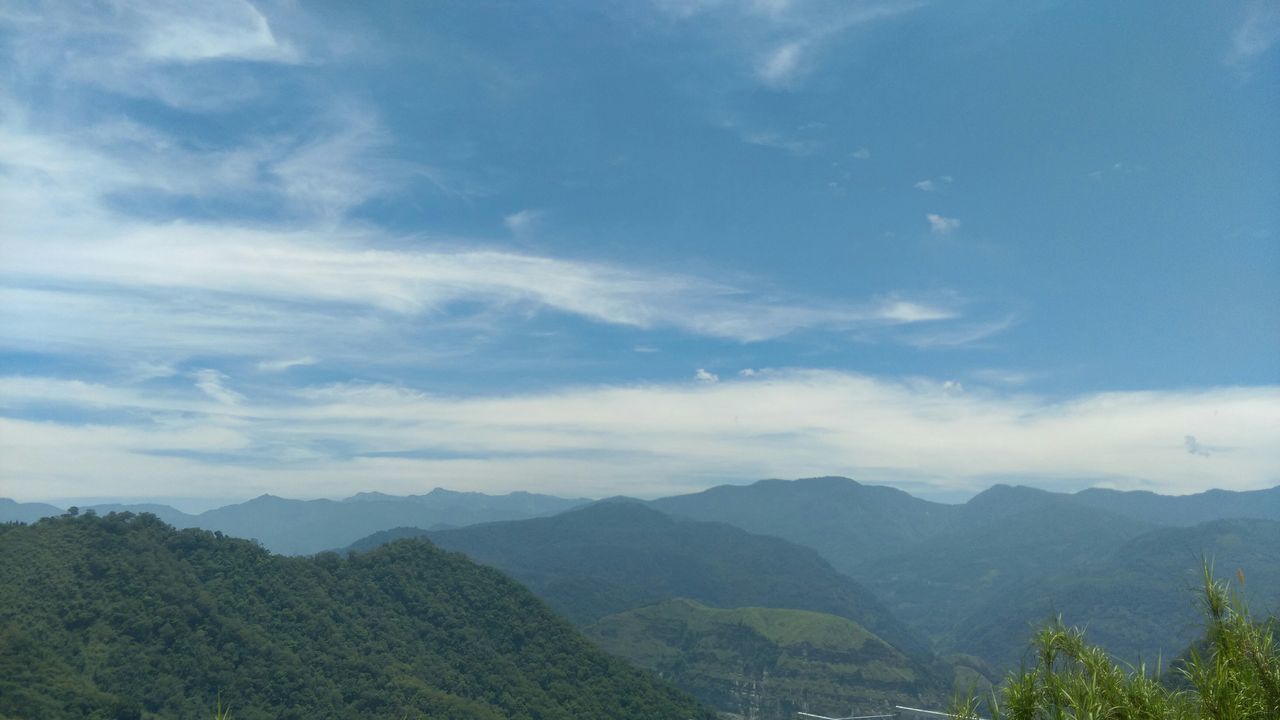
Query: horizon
(637, 249)
(196, 506)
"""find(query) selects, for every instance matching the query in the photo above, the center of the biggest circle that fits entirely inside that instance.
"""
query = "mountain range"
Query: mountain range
(977, 578)
(303, 527)
(967, 582)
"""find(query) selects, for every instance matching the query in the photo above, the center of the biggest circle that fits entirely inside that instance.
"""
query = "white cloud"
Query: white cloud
(155, 50)
(933, 184)
(704, 376)
(861, 153)
(210, 383)
(209, 30)
(942, 225)
(277, 366)
(779, 67)
(638, 439)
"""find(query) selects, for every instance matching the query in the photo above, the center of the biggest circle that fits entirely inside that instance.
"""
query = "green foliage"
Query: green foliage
(124, 617)
(767, 663)
(1234, 676)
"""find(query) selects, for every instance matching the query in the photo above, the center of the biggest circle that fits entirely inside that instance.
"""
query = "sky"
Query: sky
(646, 247)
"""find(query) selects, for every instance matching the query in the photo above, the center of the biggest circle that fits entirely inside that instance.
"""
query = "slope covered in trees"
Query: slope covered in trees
(976, 577)
(123, 616)
(767, 663)
(620, 555)
(1135, 598)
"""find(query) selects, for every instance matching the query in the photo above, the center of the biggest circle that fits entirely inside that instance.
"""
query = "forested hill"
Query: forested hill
(767, 663)
(125, 617)
(620, 555)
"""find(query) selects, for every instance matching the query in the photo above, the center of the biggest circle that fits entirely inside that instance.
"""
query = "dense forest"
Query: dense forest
(123, 616)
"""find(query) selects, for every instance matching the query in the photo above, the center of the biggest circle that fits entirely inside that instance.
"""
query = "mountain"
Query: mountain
(299, 527)
(976, 578)
(13, 511)
(125, 617)
(614, 556)
(1137, 599)
(846, 521)
(1185, 509)
(1007, 536)
(767, 663)
(618, 555)
(851, 524)
(303, 527)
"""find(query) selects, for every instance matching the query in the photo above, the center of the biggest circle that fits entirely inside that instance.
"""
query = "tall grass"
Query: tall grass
(1233, 675)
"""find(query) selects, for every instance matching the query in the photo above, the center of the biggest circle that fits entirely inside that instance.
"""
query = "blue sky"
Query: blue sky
(637, 247)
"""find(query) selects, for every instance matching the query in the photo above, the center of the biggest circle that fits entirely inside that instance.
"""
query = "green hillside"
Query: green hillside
(615, 556)
(126, 617)
(1008, 537)
(767, 663)
(1137, 599)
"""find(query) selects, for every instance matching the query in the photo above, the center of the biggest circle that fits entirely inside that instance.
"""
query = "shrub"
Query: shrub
(1234, 674)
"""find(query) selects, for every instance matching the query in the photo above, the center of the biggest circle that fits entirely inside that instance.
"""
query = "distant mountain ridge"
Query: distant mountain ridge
(1185, 509)
(851, 523)
(303, 527)
(977, 577)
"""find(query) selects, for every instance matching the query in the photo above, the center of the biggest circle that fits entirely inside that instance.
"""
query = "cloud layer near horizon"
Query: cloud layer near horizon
(223, 273)
(222, 436)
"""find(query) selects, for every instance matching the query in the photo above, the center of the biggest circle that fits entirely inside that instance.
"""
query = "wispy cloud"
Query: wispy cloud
(276, 366)
(1256, 34)
(523, 221)
(637, 439)
(705, 376)
(933, 184)
(968, 334)
(778, 141)
(210, 382)
(784, 39)
(153, 50)
(942, 225)
(779, 66)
